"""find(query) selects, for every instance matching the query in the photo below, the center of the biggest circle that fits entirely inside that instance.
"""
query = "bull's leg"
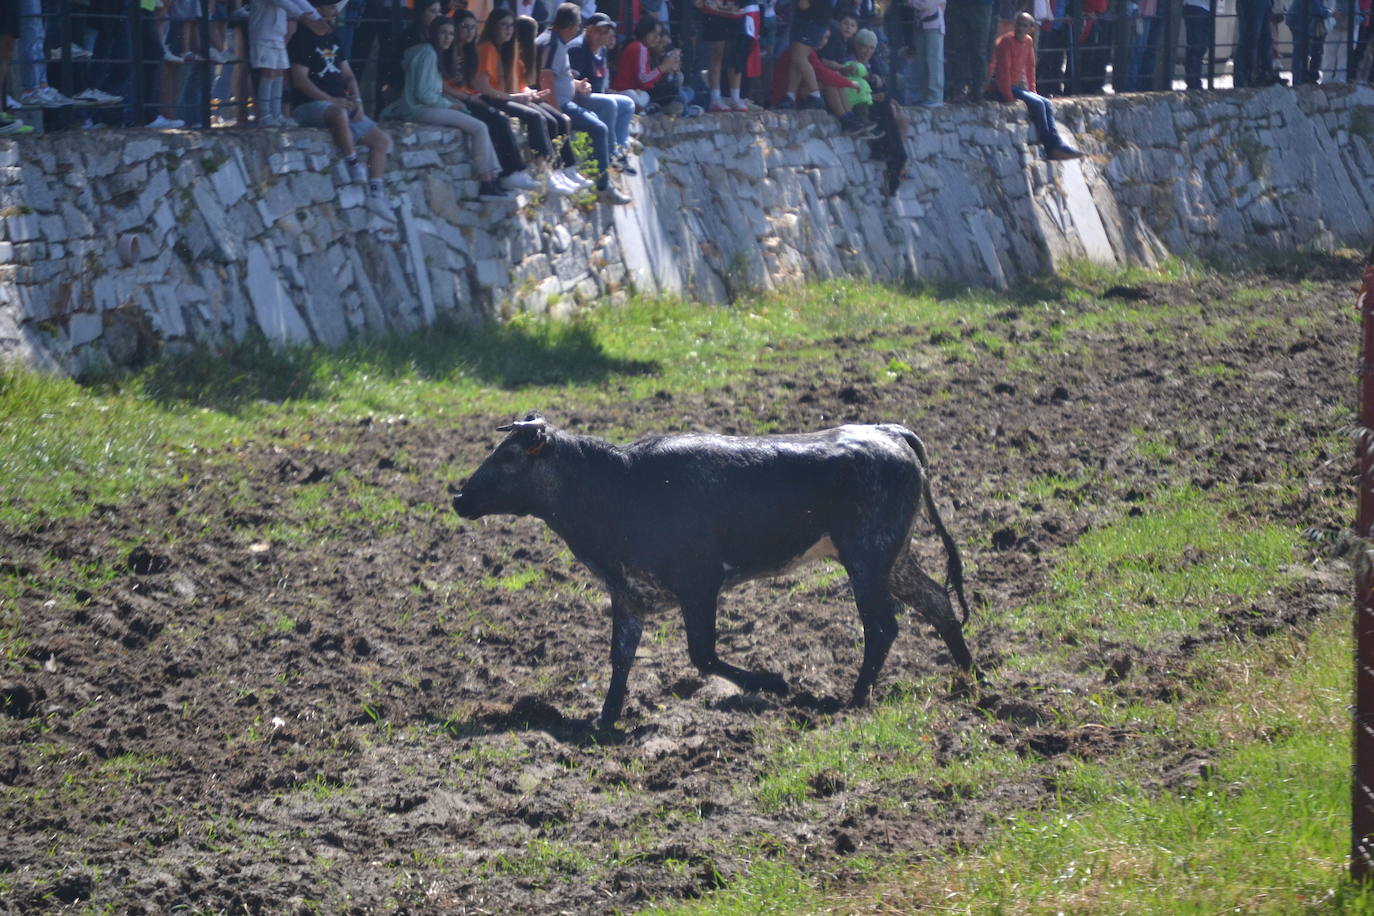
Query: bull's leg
(699, 619)
(625, 630)
(924, 595)
(878, 611)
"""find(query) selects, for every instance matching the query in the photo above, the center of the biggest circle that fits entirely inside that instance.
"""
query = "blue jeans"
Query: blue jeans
(32, 58)
(615, 111)
(1041, 114)
(930, 68)
(1144, 54)
(586, 121)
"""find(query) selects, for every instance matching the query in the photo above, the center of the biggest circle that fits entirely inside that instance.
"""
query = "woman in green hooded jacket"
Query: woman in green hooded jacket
(424, 100)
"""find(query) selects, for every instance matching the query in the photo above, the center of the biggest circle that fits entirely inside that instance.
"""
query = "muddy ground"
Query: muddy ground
(297, 695)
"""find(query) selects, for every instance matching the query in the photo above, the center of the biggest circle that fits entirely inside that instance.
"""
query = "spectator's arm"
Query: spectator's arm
(355, 94)
(482, 83)
(647, 76)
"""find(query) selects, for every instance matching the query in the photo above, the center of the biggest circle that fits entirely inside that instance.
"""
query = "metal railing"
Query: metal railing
(193, 68)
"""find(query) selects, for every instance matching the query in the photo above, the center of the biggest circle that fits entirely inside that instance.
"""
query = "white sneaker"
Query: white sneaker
(285, 121)
(98, 97)
(220, 57)
(45, 97)
(269, 121)
(357, 171)
(575, 178)
(171, 58)
(379, 207)
(520, 181)
(161, 123)
(78, 53)
(558, 185)
(55, 99)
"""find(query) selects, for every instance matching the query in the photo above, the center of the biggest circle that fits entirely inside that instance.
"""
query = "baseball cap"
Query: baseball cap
(598, 20)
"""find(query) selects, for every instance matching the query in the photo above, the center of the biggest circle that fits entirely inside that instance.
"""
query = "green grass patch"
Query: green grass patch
(1169, 568)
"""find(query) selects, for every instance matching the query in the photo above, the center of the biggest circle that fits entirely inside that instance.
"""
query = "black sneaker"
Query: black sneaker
(623, 164)
(811, 103)
(491, 189)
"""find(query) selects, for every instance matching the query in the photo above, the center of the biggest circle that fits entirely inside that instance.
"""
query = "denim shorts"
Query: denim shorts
(311, 114)
(808, 33)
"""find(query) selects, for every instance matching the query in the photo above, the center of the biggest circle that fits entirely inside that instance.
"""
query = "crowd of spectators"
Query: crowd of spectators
(557, 72)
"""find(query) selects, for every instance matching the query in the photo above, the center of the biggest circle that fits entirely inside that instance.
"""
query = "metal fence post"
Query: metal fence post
(136, 71)
(1362, 782)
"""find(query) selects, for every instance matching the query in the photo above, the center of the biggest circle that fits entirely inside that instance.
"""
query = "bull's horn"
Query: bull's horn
(533, 420)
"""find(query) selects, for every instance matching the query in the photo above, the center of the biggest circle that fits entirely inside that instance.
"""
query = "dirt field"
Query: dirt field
(283, 705)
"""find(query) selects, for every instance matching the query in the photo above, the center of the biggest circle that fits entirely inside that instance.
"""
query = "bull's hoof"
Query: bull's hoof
(861, 697)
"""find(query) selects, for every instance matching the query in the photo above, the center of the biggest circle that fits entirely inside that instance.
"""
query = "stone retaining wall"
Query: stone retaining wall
(258, 231)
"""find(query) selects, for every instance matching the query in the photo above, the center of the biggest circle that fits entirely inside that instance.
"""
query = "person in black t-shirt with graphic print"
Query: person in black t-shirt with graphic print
(326, 95)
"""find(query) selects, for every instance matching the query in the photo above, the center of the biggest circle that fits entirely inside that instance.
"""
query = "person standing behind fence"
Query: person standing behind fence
(268, 29)
(1013, 77)
(9, 37)
(33, 59)
(1199, 27)
(1253, 56)
(968, 23)
(929, 58)
(1306, 19)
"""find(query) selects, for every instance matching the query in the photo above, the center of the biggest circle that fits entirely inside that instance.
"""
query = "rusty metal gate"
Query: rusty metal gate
(1362, 784)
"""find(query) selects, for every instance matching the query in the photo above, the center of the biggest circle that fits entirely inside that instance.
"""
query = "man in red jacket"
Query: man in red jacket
(1013, 77)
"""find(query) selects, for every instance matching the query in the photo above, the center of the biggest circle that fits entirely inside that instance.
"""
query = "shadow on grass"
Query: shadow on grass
(510, 356)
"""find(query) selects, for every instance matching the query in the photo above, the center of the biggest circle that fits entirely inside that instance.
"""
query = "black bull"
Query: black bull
(677, 519)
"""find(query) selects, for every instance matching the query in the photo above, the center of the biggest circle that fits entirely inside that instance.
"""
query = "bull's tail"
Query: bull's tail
(954, 565)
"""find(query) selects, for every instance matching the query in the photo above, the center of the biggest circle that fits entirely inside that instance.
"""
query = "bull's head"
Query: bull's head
(509, 482)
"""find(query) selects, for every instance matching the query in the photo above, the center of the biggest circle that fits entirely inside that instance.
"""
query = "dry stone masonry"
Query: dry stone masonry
(120, 245)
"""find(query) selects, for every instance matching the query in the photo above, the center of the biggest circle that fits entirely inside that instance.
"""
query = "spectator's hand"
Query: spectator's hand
(316, 25)
(544, 95)
(582, 87)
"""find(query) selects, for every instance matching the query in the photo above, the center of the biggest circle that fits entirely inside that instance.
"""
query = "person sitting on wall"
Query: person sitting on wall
(326, 95)
(1013, 77)
(423, 100)
(527, 77)
(499, 83)
(833, 87)
(649, 75)
(459, 68)
(587, 55)
(556, 74)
